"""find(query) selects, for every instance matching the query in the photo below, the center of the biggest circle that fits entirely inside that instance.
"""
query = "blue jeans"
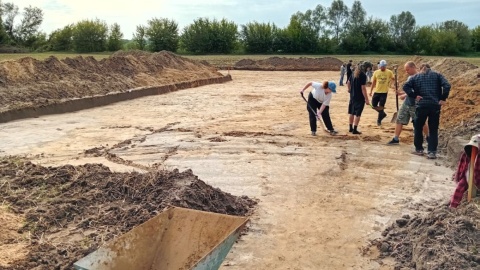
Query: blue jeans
(432, 113)
(341, 78)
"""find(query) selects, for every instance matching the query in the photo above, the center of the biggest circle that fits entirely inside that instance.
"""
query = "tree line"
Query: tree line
(336, 29)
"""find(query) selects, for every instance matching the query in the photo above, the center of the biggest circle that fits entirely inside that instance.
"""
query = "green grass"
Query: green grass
(230, 60)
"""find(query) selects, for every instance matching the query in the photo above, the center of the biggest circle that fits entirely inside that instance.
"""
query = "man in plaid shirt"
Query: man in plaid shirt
(430, 89)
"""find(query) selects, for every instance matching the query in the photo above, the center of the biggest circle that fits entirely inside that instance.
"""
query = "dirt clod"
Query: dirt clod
(70, 210)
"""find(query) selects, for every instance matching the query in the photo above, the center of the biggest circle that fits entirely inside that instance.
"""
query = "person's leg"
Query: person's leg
(350, 122)
(375, 102)
(403, 118)
(350, 116)
(311, 108)
(381, 102)
(358, 107)
(421, 115)
(433, 123)
(425, 132)
(326, 118)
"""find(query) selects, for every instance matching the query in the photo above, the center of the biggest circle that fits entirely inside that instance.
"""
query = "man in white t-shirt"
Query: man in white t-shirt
(318, 104)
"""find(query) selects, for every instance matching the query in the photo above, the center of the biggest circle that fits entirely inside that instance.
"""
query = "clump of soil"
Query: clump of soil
(290, 64)
(28, 82)
(441, 239)
(70, 210)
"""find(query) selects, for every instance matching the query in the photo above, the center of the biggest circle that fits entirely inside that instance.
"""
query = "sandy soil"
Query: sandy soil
(321, 199)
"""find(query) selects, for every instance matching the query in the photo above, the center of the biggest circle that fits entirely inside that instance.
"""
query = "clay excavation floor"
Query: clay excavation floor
(321, 200)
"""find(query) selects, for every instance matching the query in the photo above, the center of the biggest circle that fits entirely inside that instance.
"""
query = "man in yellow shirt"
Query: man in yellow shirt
(380, 82)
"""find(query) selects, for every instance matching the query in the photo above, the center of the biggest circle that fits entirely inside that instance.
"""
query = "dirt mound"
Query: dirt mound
(70, 210)
(28, 82)
(290, 64)
(441, 239)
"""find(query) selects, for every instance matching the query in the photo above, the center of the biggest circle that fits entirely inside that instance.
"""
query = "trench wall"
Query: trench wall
(96, 101)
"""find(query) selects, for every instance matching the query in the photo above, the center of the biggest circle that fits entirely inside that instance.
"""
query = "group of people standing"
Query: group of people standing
(424, 92)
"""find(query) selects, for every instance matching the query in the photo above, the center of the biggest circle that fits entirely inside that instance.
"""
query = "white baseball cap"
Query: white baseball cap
(474, 142)
(382, 63)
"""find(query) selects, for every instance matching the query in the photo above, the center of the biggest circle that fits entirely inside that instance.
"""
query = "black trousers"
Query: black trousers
(422, 114)
(379, 99)
(312, 106)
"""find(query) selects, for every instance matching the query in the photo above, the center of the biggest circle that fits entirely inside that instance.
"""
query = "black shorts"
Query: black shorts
(355, 107)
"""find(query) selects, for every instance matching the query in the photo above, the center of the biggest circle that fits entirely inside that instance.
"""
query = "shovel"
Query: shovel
(394, 117)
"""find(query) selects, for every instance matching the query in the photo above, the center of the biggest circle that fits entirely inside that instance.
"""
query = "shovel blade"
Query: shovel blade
(394, 117)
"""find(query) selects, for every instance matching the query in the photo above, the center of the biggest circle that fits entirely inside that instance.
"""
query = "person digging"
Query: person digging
(380, 82)
(319, 99)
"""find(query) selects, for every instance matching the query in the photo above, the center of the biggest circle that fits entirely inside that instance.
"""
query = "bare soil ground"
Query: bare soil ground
(344, 202)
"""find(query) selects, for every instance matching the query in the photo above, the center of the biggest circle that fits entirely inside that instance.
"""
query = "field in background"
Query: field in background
(230, 60)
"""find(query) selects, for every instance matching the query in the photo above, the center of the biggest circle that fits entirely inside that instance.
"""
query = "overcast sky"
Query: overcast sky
(129, 14)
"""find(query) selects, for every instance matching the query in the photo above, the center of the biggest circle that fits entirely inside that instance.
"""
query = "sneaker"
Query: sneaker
(333, 132)
(314, 133)
(431, 155)
(379, 123)
(418, 152)
(393, 142)
(356, 132)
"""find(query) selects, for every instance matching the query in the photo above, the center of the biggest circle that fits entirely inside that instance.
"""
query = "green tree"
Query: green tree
(225, 35)
(444, 43)
(162, 34)
(376, 33)
(476, 38)
(205, 36)
(315, 19)
(27, 30)
(139, 38)
(258, 37)
(424, 40)
(9, 12)
(357, 17)
(29, 25)
(114, 42)
(402, 30)
(354, 42)
(4, 38)
(90, 36)
(337, 16)
(301, 38)
(462, 33)
(62, 39)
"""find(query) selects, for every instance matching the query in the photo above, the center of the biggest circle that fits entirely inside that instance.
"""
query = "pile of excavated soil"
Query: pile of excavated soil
(69, 211)
(28, 82)
(290, 64)
(441, 239)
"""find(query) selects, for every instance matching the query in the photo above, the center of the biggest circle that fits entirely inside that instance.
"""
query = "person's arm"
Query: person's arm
(365, 95)
(305, 87)
(325, 103)
(408, 89)
(446, 89)
(321, 109)
(374, 83)
(348, 86)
